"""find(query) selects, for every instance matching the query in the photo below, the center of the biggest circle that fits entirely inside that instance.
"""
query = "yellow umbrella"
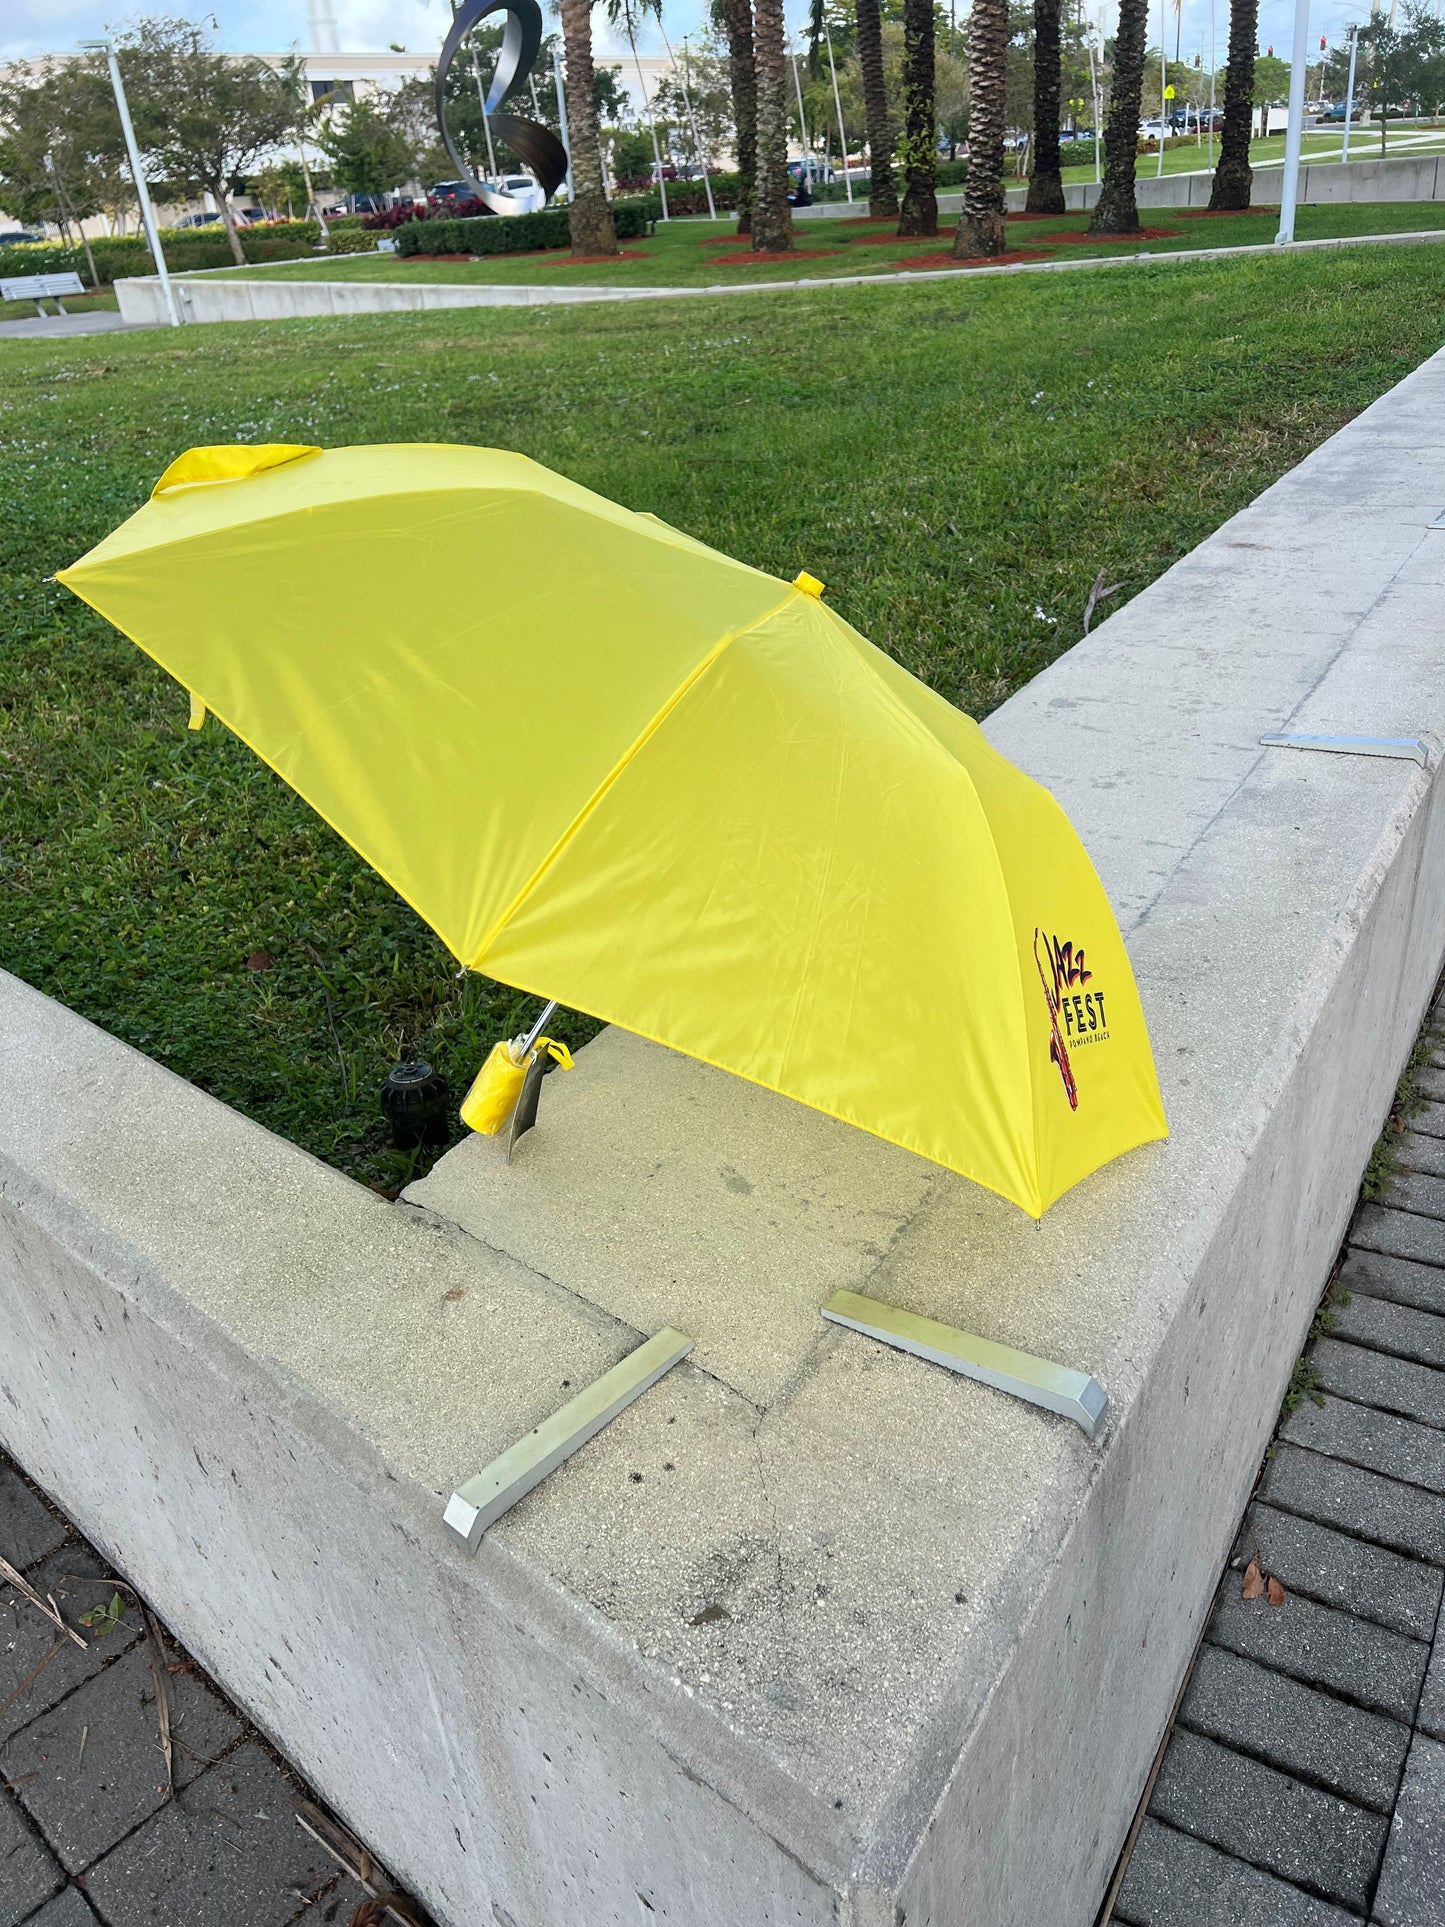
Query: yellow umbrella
(612, 766)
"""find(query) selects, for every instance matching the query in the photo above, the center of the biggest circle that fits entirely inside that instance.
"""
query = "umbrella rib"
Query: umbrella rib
(700, 669)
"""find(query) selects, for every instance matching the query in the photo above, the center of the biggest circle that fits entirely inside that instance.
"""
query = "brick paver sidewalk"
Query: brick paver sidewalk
(1304, 1783)
(89, 1829)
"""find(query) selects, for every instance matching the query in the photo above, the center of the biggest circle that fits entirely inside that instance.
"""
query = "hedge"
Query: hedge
(186, 249)
(510, 233)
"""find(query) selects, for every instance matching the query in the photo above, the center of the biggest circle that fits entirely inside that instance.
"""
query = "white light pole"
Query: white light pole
(1289, 191)
(1163, 83)
(1213, 72)
(802, 117)
(649, 110)
(1094, 89)
(142, 192)
(562, 118)
(1350, 94)
(691, 117)
(842, 136)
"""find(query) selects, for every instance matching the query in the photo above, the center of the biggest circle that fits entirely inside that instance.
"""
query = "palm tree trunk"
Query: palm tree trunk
(589, 218)
(882, 194)
(1046, 187)
(918, 150)
(1234, 177)
(1116, 211)
(980, 226)
(772, 219)
(737, 22)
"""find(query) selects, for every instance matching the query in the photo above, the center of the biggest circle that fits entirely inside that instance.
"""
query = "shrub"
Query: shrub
(188, 249)
(509, 233)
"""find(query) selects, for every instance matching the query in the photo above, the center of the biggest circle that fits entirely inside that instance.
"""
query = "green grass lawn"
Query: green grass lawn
(956, 460)
(684, 254)
(1319, 144)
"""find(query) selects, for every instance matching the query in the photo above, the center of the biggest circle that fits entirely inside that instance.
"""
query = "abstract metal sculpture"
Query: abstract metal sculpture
(537, 146)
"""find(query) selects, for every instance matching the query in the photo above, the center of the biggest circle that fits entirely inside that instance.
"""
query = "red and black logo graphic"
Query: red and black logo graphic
(1076, 1015)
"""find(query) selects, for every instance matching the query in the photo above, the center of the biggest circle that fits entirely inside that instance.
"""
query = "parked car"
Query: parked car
(20, 237)
(196, 220)
(1154, 130)
(1337, 112)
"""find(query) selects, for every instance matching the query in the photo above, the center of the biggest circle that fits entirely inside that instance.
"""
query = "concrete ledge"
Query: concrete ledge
(862, 1640)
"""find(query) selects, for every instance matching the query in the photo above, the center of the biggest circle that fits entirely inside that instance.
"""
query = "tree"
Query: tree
(589, 218)
(980, 226)
(772, 226)
(60, 147)
(368, 152)
(1234, 177)
(735, 20)
(882, 194)
(203, 116)
(918, 149)
(1116, 211)
(1046, 186)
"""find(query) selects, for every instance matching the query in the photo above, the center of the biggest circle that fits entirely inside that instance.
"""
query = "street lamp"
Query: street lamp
(1289, 189)
(142, 193)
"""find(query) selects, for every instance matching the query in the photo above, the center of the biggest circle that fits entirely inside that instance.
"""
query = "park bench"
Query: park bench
(40, 288)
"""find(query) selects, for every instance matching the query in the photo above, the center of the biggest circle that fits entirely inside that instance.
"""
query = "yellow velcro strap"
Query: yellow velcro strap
(558, 1053)
(231, 462)
(198, 712)
(809, 584)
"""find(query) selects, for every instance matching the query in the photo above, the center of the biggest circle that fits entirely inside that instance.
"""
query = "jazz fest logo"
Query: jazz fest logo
(537, 147)
(1063, 975)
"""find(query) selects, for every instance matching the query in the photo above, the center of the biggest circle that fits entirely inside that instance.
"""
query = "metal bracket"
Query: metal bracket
(482, 1500)
(1409, 747)
(1058, 1388)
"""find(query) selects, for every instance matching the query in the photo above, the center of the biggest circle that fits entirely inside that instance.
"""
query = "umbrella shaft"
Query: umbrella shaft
(536, 1031)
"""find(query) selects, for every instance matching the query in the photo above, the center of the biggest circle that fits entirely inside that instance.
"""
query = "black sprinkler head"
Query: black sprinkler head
(416, 1104)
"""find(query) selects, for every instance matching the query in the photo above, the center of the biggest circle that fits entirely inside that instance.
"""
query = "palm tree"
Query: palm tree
(1116, 211)
(918, 150)
(1234, 177)
(589, 218)
(980, 226)
(772, 219)
(735, 17)
(1046, 187)
(882, 194)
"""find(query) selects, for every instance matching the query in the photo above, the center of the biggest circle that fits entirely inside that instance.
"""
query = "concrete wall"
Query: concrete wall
(863, 1642)
(1405, 178)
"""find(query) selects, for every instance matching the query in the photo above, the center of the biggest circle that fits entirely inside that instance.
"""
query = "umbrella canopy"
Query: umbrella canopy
(609, 765)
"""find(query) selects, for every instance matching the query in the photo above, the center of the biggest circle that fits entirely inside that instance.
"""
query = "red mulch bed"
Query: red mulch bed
(898, 240)
(1079, 237)
(972, 261)
(591, 260)
(1030, 217)
(747, 260)
(438, 257)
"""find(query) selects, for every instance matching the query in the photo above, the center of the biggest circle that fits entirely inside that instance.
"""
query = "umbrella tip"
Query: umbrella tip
(809, 584)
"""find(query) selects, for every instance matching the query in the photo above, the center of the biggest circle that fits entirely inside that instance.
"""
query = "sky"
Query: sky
(266, 26)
